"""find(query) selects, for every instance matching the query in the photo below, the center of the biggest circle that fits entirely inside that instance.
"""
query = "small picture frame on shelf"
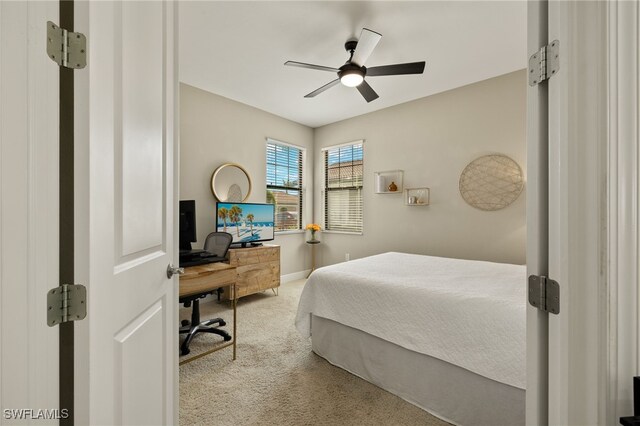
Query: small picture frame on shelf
(417, 196)
(389, 182)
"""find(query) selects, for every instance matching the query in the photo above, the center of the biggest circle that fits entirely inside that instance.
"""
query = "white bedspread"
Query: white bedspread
(468, 313)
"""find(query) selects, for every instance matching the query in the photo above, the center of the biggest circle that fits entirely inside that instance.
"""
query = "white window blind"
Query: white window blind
(343, 171)
(284, 184)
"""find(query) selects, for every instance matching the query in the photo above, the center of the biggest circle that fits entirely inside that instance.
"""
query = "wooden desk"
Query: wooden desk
(202, 278)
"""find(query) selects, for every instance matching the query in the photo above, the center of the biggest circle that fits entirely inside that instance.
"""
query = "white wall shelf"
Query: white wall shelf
(416, 196)
(383, 180)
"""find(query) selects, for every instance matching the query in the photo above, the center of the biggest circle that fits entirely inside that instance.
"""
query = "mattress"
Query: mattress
(468, 313)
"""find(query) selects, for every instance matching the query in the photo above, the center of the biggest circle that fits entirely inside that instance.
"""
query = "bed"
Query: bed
(447, 335)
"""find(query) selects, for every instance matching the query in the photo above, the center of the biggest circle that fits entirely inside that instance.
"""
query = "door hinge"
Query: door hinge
(66, 303)
(544, 293)
(66, 48)
(545, 63)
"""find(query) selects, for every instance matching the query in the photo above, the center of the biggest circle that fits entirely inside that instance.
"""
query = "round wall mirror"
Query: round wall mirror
(231, 182)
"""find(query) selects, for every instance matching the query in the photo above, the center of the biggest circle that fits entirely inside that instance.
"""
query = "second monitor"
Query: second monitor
(248, 223)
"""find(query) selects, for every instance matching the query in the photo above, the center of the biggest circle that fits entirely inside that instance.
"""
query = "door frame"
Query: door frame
(578, 213)
(537, 221)
(29, 214)
(593, 122)
(594, 224)
(622, 359)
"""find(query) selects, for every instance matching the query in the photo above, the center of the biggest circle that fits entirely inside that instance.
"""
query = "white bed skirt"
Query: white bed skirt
(447, 391)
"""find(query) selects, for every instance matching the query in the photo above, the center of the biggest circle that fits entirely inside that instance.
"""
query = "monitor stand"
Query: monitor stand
(185, 246)
(245, 245)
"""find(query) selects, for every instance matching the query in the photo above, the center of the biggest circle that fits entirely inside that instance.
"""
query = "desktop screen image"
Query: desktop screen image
(246, 222)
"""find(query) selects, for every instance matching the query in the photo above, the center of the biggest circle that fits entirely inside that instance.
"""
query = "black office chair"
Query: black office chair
(218, 244)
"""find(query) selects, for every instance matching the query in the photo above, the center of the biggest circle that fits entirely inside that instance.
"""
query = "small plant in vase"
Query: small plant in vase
(313, 228)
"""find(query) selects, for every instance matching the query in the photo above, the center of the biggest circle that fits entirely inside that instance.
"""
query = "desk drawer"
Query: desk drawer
(253, 256)
(192, 284)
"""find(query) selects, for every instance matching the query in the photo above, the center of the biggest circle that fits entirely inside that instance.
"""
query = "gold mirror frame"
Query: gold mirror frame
(219, 169)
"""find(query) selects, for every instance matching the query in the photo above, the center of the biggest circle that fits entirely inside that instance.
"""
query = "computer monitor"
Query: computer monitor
(248, 223)
(187, 224)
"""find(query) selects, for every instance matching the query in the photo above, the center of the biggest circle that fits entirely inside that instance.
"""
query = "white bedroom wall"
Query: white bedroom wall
(216, 130)
(432, 139)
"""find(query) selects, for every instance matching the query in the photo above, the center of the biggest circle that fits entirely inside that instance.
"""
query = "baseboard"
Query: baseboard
(294, 276)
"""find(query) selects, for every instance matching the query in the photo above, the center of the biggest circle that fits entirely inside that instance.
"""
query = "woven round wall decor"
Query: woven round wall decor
(491, 182)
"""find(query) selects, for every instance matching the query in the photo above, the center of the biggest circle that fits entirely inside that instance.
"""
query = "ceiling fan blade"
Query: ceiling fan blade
(323, 88)
(397, 69)
(310, 66)
(367, 92)
(367, 42)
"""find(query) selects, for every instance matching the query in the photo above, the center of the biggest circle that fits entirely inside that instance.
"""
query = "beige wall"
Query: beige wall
(432, 139)
(216, 130)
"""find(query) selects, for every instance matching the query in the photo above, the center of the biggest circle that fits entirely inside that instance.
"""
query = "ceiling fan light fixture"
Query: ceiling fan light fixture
(351, 79)
(353, 72)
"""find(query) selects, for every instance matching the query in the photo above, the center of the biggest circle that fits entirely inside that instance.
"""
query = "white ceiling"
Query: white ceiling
(237, 50)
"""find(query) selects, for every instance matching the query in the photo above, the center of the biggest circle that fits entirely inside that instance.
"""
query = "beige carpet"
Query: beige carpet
(277, 379)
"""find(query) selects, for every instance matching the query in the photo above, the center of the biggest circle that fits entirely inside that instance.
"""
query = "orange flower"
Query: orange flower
(313, 227)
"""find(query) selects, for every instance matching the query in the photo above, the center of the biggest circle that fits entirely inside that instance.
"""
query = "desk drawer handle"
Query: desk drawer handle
(172, 270)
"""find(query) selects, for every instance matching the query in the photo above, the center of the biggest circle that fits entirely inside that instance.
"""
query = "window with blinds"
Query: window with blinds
(284, 184)
(343, 175)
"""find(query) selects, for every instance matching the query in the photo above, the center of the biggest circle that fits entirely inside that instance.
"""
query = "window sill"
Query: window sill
(342, 232)
(296, 231)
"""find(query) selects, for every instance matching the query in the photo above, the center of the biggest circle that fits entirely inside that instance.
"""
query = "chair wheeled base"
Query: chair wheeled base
(195, 326)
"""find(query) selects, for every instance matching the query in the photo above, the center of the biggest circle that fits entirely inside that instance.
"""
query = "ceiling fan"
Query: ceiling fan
(353, 72)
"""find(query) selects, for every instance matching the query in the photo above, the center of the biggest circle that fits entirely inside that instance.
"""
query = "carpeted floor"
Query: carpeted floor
(277, 379)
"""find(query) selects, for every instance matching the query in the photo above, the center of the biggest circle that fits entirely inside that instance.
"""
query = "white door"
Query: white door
(28, 212)
(127, 348)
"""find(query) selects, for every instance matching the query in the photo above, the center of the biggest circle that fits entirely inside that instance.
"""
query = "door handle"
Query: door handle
(172, 270)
